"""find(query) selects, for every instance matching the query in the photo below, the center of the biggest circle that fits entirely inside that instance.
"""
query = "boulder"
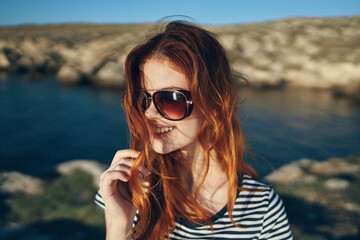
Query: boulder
(4, 62)
(69, 75)
(288, 173)
(36, 56)
(17, 182)
(111, 74)
(333, 167)
(336, 184)
(12, 55)
(90, 166)
(308, 171)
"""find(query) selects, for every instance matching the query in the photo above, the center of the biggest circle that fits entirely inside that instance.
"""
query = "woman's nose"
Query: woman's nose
(151, 112)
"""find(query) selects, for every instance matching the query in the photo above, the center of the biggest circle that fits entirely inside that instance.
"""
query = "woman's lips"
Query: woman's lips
(160, 132)
(163, 130)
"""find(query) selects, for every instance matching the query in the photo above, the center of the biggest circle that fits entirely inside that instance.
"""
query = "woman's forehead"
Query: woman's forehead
(158, 74)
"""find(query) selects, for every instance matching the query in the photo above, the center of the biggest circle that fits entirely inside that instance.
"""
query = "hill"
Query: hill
(319, 53)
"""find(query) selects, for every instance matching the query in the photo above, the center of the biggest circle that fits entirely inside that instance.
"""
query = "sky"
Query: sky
(213, 12)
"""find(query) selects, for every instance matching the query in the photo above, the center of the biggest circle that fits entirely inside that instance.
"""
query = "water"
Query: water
(43, 124)
(290, 124)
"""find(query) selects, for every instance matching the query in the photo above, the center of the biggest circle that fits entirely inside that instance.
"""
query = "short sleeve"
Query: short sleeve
(99, 201)
(276, 224)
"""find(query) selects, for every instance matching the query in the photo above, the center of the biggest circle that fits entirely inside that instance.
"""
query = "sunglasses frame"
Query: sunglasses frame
(185, 93)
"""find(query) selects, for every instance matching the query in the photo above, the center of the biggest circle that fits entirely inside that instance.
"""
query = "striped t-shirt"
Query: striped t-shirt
(259, 214)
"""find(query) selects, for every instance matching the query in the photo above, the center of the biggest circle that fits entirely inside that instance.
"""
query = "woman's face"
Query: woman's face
(165, 135)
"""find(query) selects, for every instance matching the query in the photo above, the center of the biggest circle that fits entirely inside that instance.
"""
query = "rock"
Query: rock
(351, 90)
(69, 75)
(35, 56)
(329, 203)
(12, 55)
(17, 182)
(307, 52)
(4, 62)
(35, 51)
(260, 78)
(90, 166)
(336, 184)
(228, 41)
(25, 64)
(249, 45)
(66, 53)
(333, 166)
(306, 163)
(353, 207)
(110, 75)
(308, 171)
(288, 173)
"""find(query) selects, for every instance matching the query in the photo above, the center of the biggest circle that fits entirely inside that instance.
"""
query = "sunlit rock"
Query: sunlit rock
(17, 182)
(336, 184)
(110, 75)
(288, 173)
(307, 52)
(308, 171)
(4, 62)
(90, 166)
(333, 167)
(69, 75)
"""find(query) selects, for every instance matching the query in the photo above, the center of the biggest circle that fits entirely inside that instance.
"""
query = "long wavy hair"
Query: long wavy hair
(166, 194)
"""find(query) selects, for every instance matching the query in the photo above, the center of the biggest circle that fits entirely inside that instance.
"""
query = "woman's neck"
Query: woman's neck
(212, 193)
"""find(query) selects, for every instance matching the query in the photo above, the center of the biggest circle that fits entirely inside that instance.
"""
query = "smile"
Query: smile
(164, 130)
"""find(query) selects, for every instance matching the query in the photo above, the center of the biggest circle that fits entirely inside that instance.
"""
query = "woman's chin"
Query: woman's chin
(161, 148)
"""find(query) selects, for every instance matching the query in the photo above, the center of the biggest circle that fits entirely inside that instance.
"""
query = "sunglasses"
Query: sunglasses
(173, 105)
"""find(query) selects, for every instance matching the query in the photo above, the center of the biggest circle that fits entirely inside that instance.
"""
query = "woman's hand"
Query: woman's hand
(119, 210)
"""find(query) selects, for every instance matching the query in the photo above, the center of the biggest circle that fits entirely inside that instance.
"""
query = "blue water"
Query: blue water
(43, 123)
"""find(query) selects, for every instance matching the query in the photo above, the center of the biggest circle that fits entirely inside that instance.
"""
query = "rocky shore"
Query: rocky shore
(321, 198)
(59, 207)
(319, 53)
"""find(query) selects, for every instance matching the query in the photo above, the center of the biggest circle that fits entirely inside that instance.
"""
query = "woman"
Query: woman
(184, 176)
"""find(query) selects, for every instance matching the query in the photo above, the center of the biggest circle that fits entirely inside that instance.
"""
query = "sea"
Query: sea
(43, 123)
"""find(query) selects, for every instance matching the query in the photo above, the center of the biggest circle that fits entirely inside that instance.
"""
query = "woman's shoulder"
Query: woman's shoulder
(258, 200)
(251, 189)
(249, 183)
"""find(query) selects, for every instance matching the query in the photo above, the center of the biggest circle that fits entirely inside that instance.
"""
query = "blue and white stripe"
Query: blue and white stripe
(258, 212)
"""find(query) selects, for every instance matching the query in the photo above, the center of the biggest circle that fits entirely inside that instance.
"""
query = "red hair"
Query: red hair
(203, 60)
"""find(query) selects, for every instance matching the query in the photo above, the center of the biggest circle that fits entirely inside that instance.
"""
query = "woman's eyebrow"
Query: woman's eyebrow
(165, 88)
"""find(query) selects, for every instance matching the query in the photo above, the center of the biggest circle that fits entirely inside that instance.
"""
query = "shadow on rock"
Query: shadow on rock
(63, 229)
(313, 221)
(4, 208)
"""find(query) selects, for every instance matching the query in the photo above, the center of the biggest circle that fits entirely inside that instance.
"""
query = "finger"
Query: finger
(127, 161)
(126, 153)
(111, 177)
(125, 156)
(120, 167)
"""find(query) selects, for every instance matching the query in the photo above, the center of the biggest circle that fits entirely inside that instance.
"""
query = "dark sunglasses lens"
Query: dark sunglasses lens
(171, 104)
(143, 101)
